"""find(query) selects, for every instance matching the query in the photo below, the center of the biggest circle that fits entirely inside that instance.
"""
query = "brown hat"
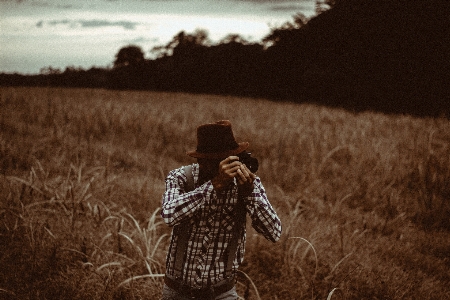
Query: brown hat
(216, 140)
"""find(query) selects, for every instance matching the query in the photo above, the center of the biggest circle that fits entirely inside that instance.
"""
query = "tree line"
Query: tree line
(390, 56)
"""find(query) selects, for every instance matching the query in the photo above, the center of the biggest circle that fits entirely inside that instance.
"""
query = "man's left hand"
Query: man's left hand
(245, 180)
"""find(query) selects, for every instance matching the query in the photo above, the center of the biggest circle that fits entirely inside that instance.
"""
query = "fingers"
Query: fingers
(245, 175)
(245, 180)
(230, 162)
(231, 167)
(242, 179)
(228, 167)
(230, 170)
(247, 171)
(231, 159)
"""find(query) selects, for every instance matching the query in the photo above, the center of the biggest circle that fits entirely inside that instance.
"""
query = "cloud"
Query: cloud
(291, 7)
(283, 6)
(104, 23)
(53, 23)
(141, 40)
(275, 2)
(65, 6)
(90, 23)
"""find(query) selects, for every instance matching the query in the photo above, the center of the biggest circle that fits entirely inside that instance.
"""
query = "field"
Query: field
(364, 199)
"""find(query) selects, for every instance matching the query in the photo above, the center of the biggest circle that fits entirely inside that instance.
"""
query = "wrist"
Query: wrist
(217, 184)
(245, 190)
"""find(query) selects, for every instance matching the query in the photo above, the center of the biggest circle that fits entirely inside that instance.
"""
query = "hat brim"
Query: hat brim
(219, 155)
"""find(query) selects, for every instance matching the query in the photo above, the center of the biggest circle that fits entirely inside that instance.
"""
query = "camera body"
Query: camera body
(251, 162)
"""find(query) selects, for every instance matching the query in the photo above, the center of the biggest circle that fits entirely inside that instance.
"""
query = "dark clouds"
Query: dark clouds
(141, 40)
(276, 2)
(90, 23)
(103, 23)
(290, 7)
(36, 3)
(283, 5)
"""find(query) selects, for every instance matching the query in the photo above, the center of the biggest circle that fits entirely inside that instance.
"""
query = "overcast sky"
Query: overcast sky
(85, 33)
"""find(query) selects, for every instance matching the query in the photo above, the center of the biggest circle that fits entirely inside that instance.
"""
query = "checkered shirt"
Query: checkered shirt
(211, 219)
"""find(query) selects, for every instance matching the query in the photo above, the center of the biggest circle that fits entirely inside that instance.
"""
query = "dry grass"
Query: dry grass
(363, 198)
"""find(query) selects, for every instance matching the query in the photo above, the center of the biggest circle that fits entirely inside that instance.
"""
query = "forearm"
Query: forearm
(264, 218)
(178, 205)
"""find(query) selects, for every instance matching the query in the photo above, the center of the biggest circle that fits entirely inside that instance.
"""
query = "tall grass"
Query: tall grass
(363, 198)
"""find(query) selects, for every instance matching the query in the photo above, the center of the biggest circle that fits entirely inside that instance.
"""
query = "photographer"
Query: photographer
(207, 204)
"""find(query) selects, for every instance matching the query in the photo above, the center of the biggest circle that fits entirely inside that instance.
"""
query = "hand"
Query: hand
(245, 180)
(228, 169)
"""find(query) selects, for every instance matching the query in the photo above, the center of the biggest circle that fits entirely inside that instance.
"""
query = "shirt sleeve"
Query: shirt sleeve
(264, 218)
(178, 205)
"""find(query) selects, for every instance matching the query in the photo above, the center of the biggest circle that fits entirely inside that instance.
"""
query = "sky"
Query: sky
(35, 34)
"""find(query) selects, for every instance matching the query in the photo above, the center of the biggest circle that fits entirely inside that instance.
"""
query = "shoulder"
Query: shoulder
(178, 178)
(180, 173)
(257, 182)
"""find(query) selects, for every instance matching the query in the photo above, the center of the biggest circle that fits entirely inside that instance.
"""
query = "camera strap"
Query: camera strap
(182, 232)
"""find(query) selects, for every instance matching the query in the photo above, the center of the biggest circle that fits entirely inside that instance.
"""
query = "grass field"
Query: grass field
(364, 199)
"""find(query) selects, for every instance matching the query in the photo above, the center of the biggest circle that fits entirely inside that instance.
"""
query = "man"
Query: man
(208, 239)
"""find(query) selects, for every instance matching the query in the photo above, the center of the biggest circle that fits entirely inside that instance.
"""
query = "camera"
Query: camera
(251, 162)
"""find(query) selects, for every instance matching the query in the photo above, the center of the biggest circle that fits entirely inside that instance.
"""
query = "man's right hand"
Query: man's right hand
(228, 169)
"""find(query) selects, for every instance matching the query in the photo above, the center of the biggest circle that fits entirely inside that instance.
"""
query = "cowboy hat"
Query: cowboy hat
(216, 141)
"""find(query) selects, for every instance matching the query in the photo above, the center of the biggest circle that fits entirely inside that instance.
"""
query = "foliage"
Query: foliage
(129, 56)
(363, 198)
(359, 55)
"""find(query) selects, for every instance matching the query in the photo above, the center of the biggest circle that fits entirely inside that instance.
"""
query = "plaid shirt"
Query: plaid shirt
(211, 220)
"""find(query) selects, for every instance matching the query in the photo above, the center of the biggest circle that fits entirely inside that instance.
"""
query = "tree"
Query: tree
(285, 31)
(183, 43)
(129, 56)
(233, 38)
(50, 71)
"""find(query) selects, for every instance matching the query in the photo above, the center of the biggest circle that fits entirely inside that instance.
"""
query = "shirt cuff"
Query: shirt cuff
(208, 192)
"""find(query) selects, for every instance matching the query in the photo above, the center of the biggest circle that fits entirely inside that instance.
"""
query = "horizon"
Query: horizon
(67, 33)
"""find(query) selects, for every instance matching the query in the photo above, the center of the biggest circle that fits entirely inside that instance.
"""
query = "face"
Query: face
(209, 168)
